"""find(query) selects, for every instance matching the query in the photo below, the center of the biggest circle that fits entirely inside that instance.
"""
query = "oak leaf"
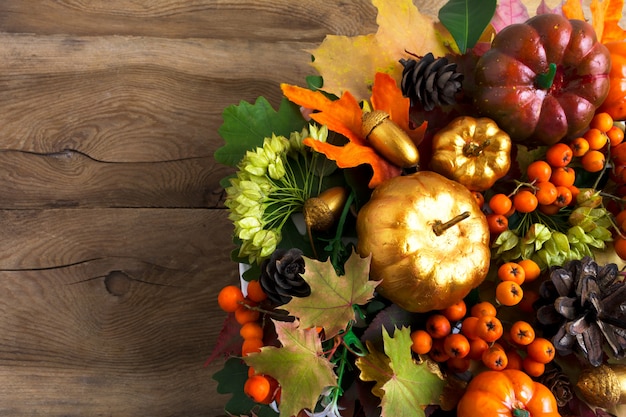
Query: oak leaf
(407, 387)
(330, 304)
(299, 366)
(344, 117)
(350, 63)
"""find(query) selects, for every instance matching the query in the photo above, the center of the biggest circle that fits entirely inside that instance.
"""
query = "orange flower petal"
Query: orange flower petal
(352, 155)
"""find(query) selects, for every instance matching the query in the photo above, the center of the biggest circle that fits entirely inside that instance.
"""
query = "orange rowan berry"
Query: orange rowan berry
(541, 349)
(438, 326)
(455, 312)
(511, 271)
(422, 342)
(489, 328)
(559, 155)
(483, 308)
(230, 298)
(255, 291)
(509, 293)
(261, 388)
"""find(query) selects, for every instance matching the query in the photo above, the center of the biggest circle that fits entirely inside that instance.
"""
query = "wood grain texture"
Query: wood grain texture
(114, 237)
(111, 311)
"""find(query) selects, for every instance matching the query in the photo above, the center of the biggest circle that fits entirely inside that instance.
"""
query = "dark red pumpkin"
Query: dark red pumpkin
(542, 80)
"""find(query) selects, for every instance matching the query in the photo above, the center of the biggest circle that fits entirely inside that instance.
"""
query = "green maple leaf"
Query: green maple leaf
(330, 304)
(406, 387)
(299, 366)
(246, 125)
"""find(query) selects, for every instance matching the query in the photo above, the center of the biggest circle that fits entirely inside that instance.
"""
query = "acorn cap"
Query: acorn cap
(370, 120)
(321, 212)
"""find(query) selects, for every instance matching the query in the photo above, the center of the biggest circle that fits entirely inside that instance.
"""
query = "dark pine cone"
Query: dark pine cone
(430, 82)
(582, 306)
(559, 384)
(280, 276)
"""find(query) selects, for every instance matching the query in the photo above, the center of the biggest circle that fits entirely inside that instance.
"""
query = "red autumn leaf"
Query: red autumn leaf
(344, 117)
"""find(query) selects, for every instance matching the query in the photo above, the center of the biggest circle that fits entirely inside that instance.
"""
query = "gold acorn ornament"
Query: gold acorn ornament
(603, 386)
(428, 238)
(321, 212)
(389, 139)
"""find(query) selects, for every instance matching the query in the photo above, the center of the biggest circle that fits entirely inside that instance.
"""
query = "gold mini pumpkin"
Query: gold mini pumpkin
(428, 239)
(474, 152)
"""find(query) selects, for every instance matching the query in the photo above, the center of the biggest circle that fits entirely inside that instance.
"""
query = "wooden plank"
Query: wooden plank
(71, 179)
(273, 20)
(128, 99)
(111, 311)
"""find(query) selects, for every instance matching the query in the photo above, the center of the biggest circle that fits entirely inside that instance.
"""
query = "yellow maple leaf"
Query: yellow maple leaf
(350, 63)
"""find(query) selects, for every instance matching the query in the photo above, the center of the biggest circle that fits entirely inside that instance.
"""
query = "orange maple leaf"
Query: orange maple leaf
(605, 17)
(344, 117)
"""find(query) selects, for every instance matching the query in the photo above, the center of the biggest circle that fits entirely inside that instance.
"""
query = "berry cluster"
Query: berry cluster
(550, 181)
(456, 337)
(453, 338)
(263, 389)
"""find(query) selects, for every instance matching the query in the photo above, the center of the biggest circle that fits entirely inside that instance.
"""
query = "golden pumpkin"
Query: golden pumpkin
(428, 239)
(474, 152)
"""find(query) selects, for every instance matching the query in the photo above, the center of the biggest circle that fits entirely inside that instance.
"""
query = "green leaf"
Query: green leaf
(314, 82)
(332, 297)
(246, 125)
(230, 380)
(466, 20)
(299, 366)
(412, 386)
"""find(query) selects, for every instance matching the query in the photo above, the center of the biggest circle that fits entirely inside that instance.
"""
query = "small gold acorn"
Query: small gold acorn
(604, 386)
(389, 139)
(321, 212)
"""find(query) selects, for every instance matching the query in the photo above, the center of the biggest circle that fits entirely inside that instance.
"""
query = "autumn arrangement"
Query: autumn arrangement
(434, 225)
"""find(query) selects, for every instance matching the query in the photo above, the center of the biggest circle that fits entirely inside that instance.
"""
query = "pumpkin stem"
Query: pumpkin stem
(518, 412)
(474, 149)
(440, 227)
(545, 80)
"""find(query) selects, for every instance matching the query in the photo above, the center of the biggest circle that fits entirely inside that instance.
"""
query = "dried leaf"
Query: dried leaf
(598, 13)
(610, 12)
(350, 63)
(228, 341)
(573, 9)
(330, 304)
(509, 12)
(605, 17)
(543, 8)
(299, 366)
(374, 368)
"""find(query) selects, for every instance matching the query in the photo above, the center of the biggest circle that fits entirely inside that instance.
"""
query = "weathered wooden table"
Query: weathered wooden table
(114, 238)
